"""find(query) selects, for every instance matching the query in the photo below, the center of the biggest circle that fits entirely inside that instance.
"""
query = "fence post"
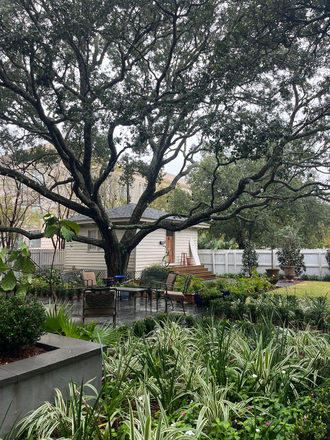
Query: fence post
(213, 262)
(235, 255)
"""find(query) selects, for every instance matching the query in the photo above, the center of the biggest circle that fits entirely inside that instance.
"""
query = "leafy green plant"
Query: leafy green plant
(208, 294)
(255, 283)
(152, 274)
(314, 423)
(207, 242)
(249, 257)
(22, 323)
(289, 252)
(16, 261)
(73, 418)
(142, 428)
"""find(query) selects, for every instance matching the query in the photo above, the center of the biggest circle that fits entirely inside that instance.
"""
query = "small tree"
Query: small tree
(250, 256)
(289, 252)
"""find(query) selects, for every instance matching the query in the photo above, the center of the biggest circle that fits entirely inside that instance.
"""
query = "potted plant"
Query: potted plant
(273, 273)
(193, 292)
(289, 256)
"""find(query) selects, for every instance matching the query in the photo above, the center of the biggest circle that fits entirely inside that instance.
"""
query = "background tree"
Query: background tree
(309, 216)
(15, 209)
(99, 80)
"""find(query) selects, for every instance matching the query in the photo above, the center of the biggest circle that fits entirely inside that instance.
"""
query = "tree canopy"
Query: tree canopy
(245, 81)
(309, 216)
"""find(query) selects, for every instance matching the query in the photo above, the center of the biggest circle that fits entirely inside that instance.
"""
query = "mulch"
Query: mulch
(24, 353)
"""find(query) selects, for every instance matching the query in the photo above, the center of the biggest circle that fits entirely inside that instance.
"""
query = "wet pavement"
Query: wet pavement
(127, 312)
(130, 310)
(285, 284)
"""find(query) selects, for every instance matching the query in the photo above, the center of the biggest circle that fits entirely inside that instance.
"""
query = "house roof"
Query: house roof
(125, 212)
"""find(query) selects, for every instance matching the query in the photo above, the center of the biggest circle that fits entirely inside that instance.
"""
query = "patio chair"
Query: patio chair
(99, 301)
(169, 295)
(162, 286)
(88, 279)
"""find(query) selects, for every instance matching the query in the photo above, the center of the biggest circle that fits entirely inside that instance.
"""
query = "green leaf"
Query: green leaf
(9, 281)
(70, 225)
(3, 267)
(52, 221)
(18, 263)
(50, 231)
(67, 234)
(25, 250)
(3, 254)
(28, 266)
(23, 289)
(14, 255)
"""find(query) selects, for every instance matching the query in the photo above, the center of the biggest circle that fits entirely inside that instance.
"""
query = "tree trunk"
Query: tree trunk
(115, 254)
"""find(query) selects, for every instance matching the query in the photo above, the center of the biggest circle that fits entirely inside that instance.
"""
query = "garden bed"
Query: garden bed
(226, 380)
(25, 384)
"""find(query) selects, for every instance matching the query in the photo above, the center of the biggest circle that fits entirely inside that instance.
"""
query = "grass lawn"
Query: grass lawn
(311, 288)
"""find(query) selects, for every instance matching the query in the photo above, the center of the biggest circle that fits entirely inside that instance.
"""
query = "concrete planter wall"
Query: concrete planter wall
(25, 384)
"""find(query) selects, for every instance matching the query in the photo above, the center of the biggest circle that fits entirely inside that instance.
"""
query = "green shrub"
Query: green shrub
(22, 323)
(207, 295)
(255, 283)
(249, 257)
(291, 256)
(153, 273)
(150, 324)
(139, 328)
(190, 321)
(314, 424)
(326, 277)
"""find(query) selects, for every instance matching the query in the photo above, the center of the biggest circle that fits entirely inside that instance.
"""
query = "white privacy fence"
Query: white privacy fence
(44, 257)
(230, 261)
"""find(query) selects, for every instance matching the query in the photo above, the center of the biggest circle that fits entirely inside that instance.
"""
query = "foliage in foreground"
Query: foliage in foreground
(216, 379)
(22, 323)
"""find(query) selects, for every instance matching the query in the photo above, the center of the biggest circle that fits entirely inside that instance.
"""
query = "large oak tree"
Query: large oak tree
(102, 79)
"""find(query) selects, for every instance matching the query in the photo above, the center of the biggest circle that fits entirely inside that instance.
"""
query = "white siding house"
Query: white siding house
(149, 251)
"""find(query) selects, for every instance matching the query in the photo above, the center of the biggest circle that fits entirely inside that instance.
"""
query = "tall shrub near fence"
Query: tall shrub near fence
(230, 260)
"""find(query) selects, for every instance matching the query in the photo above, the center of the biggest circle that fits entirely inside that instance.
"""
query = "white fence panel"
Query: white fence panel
(44, 257)
(230, 260)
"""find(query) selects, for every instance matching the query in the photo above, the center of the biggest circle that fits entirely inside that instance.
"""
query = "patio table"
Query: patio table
(133, 291)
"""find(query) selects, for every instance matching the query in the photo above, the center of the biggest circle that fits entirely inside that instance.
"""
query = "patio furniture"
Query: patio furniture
(162, 286)
(108, 281)
(169, 295)
(119, 278)
(149, 279)
(131, 290)
(183, 261)
(89, 279)
(99, 301)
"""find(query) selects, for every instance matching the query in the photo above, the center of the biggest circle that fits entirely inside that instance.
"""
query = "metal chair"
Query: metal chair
(162, 286)
(99, 301)
(89, 279)
(178, 296)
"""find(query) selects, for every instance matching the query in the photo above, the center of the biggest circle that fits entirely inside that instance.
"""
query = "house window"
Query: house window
(35, 243)
(93, 233)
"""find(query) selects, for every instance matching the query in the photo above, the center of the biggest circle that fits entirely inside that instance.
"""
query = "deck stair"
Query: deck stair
(197, 271)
